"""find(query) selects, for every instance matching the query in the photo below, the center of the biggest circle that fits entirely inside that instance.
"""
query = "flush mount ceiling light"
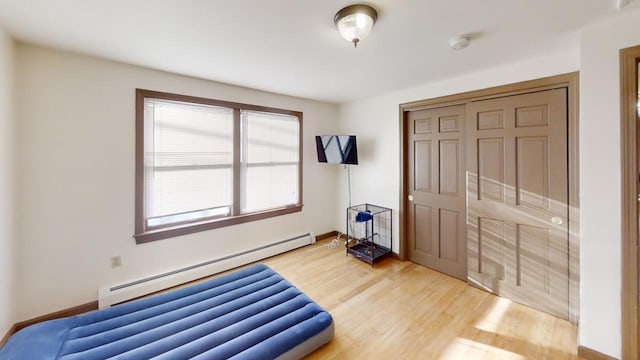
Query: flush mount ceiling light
(355, 22)
(622, 4)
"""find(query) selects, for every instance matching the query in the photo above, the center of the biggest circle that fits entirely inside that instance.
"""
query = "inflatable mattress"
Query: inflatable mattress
(252, 313)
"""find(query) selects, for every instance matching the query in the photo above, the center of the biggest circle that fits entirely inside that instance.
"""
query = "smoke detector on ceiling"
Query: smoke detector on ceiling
(459, 42)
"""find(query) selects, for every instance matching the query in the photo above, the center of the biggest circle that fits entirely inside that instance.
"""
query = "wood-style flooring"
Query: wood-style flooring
(401, 310)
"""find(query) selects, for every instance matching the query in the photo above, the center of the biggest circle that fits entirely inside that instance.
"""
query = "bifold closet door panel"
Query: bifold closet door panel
(436, 206)
(517, 198)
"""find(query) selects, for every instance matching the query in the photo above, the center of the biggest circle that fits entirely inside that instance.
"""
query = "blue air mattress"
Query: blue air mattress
(253, 313)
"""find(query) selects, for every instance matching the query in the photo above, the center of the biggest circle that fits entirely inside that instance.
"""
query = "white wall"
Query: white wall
(7, 249)
(76, 133)
(600, 253)
(376, 123)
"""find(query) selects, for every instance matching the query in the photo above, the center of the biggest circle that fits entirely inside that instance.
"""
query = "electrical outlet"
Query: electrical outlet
(116, 261)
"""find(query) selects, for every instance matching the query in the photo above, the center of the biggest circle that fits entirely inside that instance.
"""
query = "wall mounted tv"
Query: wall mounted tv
(337, 149)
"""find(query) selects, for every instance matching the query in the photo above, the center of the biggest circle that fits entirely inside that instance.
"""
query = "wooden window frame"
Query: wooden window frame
(145, 234)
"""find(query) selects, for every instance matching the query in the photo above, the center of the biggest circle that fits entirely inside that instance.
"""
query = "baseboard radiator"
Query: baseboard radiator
(108, 296)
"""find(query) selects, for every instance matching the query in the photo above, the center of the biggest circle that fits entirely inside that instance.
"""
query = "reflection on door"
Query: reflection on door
(517, 198)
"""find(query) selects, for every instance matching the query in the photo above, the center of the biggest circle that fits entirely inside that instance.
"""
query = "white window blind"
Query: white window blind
(270, 159)
(188, 161)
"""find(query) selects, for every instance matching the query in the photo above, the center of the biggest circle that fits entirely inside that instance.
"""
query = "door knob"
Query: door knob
(557, 220)
(410, 197)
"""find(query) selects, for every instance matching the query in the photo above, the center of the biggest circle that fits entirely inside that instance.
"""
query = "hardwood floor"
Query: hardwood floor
(400, 310)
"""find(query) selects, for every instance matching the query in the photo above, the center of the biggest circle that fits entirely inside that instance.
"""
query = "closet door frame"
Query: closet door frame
(629, 72)
(568, 81)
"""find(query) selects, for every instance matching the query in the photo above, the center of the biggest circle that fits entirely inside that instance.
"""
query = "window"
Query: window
(203, 164)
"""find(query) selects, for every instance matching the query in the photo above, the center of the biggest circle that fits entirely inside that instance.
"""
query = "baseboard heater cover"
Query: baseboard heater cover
(111, 295)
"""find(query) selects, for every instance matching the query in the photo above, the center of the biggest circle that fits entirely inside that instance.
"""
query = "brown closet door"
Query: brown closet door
(517, 202)
(436, 226)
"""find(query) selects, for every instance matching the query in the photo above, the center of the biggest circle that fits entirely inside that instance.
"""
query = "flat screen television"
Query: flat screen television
(337, 149)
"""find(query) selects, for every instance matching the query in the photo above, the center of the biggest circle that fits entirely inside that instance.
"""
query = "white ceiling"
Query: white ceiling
(292, 47)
